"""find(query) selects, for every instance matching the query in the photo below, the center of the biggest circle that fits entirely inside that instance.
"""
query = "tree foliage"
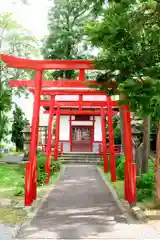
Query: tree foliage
(19, 122)
(14, 40)
(129, 39)
(66, 39)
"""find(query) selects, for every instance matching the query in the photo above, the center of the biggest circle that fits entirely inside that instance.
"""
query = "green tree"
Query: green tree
(66, 39)
(97, 6)
(19, 122)
(14, 40)
(128, 38)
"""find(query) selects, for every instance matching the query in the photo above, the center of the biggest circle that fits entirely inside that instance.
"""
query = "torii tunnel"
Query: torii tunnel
(81, 106)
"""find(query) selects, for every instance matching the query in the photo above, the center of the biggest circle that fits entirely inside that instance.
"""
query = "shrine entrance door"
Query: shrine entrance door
(81, 139)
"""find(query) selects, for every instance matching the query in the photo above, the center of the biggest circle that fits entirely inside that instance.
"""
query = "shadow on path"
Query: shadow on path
(82, 207)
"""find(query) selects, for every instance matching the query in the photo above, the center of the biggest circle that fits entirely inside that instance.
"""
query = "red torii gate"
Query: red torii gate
(39, 66)
(54, 109)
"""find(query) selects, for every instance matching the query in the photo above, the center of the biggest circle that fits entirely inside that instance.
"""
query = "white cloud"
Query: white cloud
(27, 107)
(25, 104)
(34, 18)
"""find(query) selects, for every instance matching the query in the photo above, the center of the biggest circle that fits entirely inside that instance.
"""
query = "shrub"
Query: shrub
(41, 169)
(41, 175)
(119, 159)
(117, 135)
(144, 193)
(19, 191)
(151, 165)
(41, 161)
(144, 183)
(55, 167)
(120, 168)
(146, 180)
(41, 178)
(145, 186)
(39, 152)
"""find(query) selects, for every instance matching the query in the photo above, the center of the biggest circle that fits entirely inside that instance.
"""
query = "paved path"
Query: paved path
(5, 232)
(81, 207)
(17, 159)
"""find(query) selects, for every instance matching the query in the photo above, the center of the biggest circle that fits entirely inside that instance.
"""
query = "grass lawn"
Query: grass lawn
(11, 179)
(12, 216)
(118, 185)
(12, 188)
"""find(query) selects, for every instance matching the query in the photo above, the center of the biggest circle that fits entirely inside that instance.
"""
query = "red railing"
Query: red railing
(100, 150)
(117, 149)
(60, 149)
(44, 149)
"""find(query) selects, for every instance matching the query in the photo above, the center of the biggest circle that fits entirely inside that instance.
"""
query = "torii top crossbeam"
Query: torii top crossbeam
(16, 62)
(60, 86)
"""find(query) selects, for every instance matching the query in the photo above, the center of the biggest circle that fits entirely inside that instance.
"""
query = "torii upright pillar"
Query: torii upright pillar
(104, 144)
(111, 141)
(49, 140)
(30, 181)
(130, 168)
(57, 134)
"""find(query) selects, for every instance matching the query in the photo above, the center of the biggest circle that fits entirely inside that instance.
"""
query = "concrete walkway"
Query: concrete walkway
(5, 232)
(81, 207)
(15, 159)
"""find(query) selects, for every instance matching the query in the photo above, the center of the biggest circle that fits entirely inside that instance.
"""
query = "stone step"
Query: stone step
(80, 162)
(81, 159)
(64, 156)
(88, 156)
(79, 156)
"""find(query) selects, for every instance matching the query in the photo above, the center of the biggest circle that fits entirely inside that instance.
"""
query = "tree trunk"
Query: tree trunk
(138, 159)
(157, 164)
(146, 144)
(17, 149)
(122, 130)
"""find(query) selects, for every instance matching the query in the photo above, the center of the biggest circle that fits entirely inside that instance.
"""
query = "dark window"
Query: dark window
(81, 118)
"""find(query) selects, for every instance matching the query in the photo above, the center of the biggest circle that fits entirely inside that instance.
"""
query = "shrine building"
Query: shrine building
(82, 131)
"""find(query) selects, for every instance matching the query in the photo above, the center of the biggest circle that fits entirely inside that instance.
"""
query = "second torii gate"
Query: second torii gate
(54, 108)
(39, 66)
